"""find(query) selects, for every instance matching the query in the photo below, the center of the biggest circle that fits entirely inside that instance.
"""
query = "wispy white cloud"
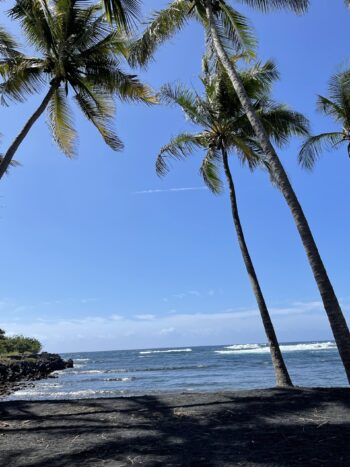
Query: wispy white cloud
(299, 321)
(181, 295)
(146, 317)
(170, 190)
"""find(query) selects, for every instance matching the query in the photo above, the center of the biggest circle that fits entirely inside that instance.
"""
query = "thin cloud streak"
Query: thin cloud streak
(170, 190)
(297, 322)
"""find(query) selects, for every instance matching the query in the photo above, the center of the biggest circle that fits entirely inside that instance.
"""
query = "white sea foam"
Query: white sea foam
(243, 346)
(146, 352)
(260, 348)
(85, 372)
(81, 359)
(124, 380)
(88, 393)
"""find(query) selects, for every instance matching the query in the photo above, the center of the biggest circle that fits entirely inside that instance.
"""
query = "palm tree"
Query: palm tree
(225, 129)
(226, 29)
(336, 106)
(78, 54)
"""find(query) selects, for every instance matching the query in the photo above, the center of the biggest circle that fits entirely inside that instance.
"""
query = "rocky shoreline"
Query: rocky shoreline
(16, 370)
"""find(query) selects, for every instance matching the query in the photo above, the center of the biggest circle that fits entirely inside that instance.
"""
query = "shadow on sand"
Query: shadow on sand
(299, 427)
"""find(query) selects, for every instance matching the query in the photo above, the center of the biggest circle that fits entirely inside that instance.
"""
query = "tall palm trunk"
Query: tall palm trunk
(335, 316)
(281, 372)
(18, 140)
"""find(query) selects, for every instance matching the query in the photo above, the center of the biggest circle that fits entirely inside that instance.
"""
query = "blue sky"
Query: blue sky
(99, 253)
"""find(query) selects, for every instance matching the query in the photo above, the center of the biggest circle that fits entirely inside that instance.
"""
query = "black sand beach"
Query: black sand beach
(269, 427)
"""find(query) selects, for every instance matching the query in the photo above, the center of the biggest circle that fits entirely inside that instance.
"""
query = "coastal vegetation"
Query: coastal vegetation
(80, 46)
(18, 345)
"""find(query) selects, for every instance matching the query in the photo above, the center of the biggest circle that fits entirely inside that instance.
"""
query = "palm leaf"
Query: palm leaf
(331, 108)
(163, 25)
(281, 123)
(315, 145)
(100, 113)
(124, 13)
(237, 29)
(186, 99)
(298, 6)
(34, 22)
(23, 77)
(61, 122)
(210, 171)
(179, 147)
(8, 45)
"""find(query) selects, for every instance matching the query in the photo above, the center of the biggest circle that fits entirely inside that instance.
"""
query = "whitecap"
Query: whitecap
(259, 348)
(124, 380)
(86, 372)
(244, 346)
(146, 352)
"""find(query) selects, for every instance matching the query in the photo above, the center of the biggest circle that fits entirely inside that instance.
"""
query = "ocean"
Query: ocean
(197, 369)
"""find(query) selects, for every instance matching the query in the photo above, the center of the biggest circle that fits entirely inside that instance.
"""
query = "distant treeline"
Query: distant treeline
(18, 344)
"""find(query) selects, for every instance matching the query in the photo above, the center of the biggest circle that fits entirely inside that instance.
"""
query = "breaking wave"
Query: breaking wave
(263, 348)
(147, 352)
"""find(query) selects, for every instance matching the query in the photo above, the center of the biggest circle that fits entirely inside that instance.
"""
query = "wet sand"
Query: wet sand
(269, 427)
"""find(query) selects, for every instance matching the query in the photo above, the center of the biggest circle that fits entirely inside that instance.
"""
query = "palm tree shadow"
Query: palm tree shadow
(266, 427)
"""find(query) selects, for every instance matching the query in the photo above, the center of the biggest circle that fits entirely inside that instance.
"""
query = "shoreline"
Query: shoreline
(269, 427)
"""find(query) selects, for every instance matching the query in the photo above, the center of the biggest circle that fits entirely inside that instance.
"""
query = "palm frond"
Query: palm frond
(163, 25)
(100, 112)
(281, 123)
(339, 92)
(248, 150)
(331, 108)
(22, 77)
(237, 29)
(298, 6)
(210, 171)
(125, 86)
(178, 148)
(184, 98)
(61, 122)
(8, 45)
(259, 78)
(125, 13)
(315, 145)
(31, 15)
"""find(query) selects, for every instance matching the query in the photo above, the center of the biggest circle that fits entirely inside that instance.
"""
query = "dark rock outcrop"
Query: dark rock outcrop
(29, 367)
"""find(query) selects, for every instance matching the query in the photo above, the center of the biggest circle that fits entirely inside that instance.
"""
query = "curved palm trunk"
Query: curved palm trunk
(281, 372)
(335, 316)
(18, 140)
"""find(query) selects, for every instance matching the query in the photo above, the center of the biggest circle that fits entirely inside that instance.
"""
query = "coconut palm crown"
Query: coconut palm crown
(224, 123)
(79, 56)
(235, 31)
(336, 106)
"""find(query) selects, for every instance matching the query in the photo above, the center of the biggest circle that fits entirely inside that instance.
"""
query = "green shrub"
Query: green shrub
(18, 344)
